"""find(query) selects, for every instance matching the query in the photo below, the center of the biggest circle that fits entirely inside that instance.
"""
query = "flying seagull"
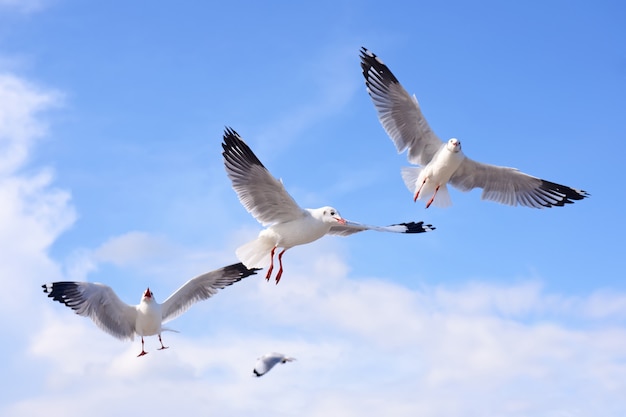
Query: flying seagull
(288, 224)
(444, 162)
(266, 362)
(100, 303)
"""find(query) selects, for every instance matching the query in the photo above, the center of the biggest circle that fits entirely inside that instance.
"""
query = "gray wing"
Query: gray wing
(99, 303)
(398, 112)
(513, 187)
(201, 288)
(260, 193)
(352, 227)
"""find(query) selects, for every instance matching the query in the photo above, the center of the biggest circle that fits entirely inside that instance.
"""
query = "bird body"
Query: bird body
(402, 118)
(100, 303)
(309, 227)
(430, 181)
(287, 224)
(312, 225)
(149, 316)
(266, 362)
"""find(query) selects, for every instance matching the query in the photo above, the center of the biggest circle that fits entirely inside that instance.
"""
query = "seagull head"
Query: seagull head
(148, 293)
(331, 215)
(454, 145)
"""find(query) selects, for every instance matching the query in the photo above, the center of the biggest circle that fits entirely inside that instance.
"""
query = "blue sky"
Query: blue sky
(111, 119)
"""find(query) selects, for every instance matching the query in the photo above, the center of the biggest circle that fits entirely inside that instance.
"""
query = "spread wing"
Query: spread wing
(201, 288)
(513, 187)
(398, 112)
(352, 227)
(260, 193)
(99, 303)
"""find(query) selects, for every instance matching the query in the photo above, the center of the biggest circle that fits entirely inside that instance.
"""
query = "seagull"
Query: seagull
(266, 362)
(444, 162)
(288, 224)
(100, 303)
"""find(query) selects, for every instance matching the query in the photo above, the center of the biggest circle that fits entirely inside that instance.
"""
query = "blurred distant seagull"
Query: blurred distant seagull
(267, 362)
(267, 200)
(103, 306)
(444, 162)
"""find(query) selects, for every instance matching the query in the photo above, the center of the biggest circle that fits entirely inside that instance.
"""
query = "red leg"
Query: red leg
(162, 347)
(143, 352)
(280, 264)
(432, 198)
(417, 194)
(271, 268)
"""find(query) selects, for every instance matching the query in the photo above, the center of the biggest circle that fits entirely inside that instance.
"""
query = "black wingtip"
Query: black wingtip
(366, 53)
(242, 269)
(235, 149)
(231, 138)
(65, 292)
(373, 66)
(256, 373)
(562, 193)
(416, 227)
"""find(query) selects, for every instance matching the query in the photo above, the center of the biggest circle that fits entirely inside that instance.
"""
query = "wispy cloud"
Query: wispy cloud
(20, 119)
(366, 345)
(334, 87)
(476, 349)
(33, 212)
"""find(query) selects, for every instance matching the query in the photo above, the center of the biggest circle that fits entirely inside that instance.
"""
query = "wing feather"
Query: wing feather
(99, 303)
(512, 187)
(398, 112)
(350, 228)
(201, 288)
(260, 193)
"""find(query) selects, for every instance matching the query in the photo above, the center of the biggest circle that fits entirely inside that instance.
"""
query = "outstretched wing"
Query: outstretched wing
(201, 288)
(99, 303)
(398, 112)
(260, 193)
(353, 227)
(513, 187)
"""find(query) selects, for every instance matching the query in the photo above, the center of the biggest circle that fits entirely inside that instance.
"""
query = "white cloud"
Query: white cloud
(33, 212)
(605, 304)
(365, 347)
(20, 123)
(151, 257)
(133, 248)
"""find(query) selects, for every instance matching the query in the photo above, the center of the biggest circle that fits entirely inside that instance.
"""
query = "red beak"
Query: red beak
(147, 294)
(341, 221)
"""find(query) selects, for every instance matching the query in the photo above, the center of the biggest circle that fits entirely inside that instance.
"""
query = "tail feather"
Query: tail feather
(167, 329)
(255, 254)
(442, 199)
(409, 175)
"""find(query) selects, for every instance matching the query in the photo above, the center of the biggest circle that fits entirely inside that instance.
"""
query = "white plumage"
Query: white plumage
(268, 361)
(100, 303)
(288, 224)
(444, 162)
